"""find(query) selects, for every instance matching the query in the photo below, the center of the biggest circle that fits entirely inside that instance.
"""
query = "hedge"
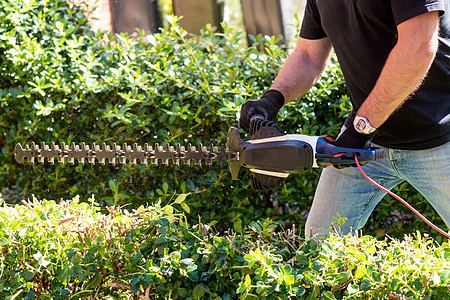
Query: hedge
(75, 250)
(61, 82)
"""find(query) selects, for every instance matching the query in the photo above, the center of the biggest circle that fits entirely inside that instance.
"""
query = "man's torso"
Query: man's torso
(363, 33)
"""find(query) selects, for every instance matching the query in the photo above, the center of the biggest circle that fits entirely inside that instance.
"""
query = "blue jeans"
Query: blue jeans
(347, 193)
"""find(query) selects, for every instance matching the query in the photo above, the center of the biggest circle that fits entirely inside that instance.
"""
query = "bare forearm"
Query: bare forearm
(405, 68)
(302, 69)
(296, 77)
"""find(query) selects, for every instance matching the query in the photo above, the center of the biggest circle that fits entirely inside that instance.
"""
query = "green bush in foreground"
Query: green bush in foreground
(75, 250)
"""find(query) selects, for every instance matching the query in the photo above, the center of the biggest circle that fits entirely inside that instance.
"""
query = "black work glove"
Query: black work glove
(350, 138)
(268, 106)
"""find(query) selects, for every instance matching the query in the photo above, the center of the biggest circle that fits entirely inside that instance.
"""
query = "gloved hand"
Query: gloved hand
(350, 138)
(268, 106)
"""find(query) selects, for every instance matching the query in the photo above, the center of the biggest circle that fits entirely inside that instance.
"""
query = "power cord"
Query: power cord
(400, 199)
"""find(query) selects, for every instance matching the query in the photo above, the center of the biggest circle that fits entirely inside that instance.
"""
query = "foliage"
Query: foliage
(73, 249)
(60, 82)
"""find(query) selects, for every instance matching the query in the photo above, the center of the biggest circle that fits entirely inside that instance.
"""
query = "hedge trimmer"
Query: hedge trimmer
(269, 155)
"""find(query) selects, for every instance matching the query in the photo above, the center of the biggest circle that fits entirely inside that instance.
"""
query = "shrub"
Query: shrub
(74, 249)
(61, 82)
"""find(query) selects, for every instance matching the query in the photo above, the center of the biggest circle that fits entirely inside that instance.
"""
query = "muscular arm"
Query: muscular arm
(405, 68)
(303, 68)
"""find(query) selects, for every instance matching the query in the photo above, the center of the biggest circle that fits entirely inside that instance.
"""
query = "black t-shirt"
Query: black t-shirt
(363, 32)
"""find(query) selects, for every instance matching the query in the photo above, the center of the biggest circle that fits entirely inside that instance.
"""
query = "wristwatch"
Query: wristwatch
(362, 125)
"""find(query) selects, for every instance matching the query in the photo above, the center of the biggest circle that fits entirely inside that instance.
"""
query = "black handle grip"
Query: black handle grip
(256, 113)
(257, 116)
(379, 153)
(327, 153)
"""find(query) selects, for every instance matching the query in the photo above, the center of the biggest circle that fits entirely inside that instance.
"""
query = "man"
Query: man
(395, 57)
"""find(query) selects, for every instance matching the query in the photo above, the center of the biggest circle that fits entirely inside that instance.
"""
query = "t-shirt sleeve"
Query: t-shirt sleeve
(405, 10)
(312, 26)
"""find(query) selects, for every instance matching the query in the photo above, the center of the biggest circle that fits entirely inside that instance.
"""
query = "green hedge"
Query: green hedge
(61, 82)
(74, 249)
(64, 83)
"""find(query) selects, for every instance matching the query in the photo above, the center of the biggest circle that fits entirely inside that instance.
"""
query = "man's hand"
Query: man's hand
(350, 138)
(268, 106)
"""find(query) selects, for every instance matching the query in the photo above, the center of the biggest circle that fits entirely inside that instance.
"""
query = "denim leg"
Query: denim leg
(346, 192)
(428, 171)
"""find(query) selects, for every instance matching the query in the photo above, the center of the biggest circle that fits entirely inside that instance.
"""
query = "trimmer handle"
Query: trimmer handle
(256, 116)
(270, 128)
(329, 154)
(256, 113)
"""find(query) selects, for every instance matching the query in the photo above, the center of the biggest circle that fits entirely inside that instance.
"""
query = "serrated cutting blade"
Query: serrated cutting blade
(125, 154)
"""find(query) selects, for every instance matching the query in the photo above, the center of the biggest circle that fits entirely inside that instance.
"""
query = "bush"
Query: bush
(61, 82)
(74, 249)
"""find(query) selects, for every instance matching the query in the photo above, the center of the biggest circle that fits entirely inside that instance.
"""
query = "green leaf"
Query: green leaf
(337, 263)
(3, 242)
(445, 276)
(191, 268)
(308, 277)
(366, 285)
(94, 282)
(168, 209)
(185, 207)
(164, 222)
(289, 280)
(113, 186)
(28, 275)
(343, 277)
(180, 198)
(199, 291)
(361, 257)
(299, 292)
(165, 187)
(327, 295)
(317, 265)
(134, 284)
(302, 259)
(187, 261)
(183, 186)
(372, 250)
(69, 31)
(394, 284)
(247, 280)
(446, 253)
(360, 272)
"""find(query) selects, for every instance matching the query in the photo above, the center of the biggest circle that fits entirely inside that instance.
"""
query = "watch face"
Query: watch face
(360, 125)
